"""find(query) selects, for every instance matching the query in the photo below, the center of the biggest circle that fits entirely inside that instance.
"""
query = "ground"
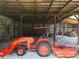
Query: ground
(33, 55)
(30, 55)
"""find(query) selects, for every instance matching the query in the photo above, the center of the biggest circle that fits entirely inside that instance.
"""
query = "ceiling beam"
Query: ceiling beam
(50, 6)
(29, 2)
(38, 1)
(33, 11)
(48, 10)
(71, 11)
(70, 15)
(4, 4)
(36, 17)
(20, 5)
(27, 13)
(60, 9)
(60, 16)
(64, 6)
(14, 14)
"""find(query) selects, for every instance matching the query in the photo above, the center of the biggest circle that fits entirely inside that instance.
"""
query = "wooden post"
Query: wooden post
(54, 28)
(14, 28)
(21, 25)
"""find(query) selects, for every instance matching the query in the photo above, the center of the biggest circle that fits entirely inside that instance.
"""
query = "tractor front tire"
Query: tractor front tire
(43, 49)
(21, 50)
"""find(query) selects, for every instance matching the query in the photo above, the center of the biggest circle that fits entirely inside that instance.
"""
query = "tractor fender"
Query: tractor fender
(24, 40)
(42, 40)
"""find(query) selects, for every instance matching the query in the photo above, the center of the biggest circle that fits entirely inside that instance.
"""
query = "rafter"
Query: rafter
(4, 4)
(48, 10)
(20, 5)
(14, 14)
(71, 11)
(36, 17)
(64, 6)
(50, 6)
(29, 2)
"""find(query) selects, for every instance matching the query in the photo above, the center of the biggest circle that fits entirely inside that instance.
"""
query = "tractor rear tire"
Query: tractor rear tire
(21, 50)
(43, 49)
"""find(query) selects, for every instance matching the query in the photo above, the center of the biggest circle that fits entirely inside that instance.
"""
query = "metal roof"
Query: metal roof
(41, 9)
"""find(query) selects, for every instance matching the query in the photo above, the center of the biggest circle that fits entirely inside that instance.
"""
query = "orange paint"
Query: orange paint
(43, 50)
(20, 51)
(64, 52)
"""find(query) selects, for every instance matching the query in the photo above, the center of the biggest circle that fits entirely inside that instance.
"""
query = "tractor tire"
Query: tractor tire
(21, 50)
(43, 49)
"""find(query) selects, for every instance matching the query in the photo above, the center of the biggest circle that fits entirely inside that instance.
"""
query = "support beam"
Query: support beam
(62, 13)
(36, 17)
(47, 1)
(76, 17)
(70, 15)
(21, 25)
(19, 14)
(14, 28)
(61, 8)
(60, 19)
(54, 28)
(64, 6)
(71, 11)
(48, 9)
(50, 6)
(30, 2)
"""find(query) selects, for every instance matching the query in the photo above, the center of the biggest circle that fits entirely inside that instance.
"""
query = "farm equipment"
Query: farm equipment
(22, 44)
(66, 43)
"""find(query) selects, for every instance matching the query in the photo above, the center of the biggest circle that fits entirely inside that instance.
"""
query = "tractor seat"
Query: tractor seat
(35, 40)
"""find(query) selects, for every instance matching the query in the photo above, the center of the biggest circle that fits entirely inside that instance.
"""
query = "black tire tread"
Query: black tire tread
(24, 49)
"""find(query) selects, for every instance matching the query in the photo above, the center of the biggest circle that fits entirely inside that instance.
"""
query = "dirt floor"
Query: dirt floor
(33, 55)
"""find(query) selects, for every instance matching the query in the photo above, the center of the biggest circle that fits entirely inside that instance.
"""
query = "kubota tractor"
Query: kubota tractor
(23, 44)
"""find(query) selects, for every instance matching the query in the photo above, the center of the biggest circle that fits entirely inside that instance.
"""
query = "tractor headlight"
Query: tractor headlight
(1, 54)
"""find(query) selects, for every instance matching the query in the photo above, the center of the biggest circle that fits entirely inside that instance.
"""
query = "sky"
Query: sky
(74, 17)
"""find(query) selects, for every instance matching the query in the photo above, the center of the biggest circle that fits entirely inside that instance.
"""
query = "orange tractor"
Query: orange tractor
(22, 44)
